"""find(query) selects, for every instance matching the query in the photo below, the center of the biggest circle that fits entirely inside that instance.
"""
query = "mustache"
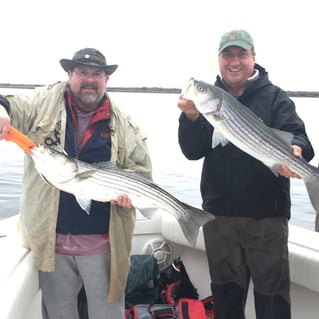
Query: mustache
(89, 85)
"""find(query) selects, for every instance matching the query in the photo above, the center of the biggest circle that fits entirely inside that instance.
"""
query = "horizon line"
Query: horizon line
(146, 89)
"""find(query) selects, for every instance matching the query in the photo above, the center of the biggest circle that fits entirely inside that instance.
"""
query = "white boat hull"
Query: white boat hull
(162, 237)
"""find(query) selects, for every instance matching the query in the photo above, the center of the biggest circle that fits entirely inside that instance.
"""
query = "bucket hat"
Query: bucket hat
(88, 57)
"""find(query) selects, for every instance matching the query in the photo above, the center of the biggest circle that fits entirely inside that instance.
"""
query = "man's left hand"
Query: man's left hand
(122, 200)
(284, 170)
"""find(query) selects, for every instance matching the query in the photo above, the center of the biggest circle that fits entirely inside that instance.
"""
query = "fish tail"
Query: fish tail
(15, 136)
(312, 185)
(192, 221)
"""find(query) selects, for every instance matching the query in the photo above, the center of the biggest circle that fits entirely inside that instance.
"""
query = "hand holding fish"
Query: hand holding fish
(284, 170)
(234, 122)
(122, 200)
(189, 108)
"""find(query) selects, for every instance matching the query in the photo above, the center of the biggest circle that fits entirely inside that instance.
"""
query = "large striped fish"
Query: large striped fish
(235, 123)
(91, 182)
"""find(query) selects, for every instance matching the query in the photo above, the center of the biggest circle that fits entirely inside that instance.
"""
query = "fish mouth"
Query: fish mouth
(37, 151)
(186, 89)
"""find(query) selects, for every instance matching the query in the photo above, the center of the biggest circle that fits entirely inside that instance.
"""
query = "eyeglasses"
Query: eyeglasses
(97, 75)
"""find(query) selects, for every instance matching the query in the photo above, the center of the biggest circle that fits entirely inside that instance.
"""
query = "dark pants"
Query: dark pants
(230, 301)
(243, 249)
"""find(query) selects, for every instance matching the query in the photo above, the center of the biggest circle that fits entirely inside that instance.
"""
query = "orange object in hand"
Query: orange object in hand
(20, 139)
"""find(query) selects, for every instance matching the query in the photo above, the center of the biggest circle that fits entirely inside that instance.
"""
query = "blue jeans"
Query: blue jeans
(60, 288)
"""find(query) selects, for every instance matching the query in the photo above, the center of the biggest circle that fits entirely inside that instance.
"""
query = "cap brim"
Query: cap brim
(69, 65)
(235, 43)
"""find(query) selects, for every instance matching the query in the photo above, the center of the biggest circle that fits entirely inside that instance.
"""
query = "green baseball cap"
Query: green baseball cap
(88, 57)
(239, 38)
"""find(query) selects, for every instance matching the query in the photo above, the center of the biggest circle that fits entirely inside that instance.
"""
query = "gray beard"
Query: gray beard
(88, 99)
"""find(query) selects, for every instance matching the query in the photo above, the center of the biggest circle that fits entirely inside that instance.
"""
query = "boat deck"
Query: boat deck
(163, 238)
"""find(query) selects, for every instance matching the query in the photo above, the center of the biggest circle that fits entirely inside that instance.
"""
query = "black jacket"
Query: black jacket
(233, 183)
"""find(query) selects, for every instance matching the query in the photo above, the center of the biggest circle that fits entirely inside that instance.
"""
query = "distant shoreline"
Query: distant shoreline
(144, 89)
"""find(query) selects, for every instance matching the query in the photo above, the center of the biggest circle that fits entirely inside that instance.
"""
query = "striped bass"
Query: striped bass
(235, 123)
(91, 182)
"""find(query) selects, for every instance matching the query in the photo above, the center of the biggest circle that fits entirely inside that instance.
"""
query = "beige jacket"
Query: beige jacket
(37, 117)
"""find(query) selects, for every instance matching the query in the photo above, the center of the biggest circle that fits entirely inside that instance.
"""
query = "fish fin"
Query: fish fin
(85, 203)
(287, 137)
(106, 165)
(60, 149)
(312, 185)
(144, 175)
(218, 138)
(273, 168)
(84, 175)
(192, 221)
(148, 212)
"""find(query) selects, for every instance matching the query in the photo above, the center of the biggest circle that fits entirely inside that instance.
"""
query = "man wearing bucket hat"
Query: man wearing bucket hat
(88, 57)
(70, 247)
(248, 238)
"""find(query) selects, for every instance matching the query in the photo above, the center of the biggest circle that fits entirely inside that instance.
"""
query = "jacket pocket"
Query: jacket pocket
(46, 131)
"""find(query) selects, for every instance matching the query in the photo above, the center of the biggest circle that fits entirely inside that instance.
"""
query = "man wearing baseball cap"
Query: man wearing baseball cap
(72, 248)
(248, 239)
(240, 38)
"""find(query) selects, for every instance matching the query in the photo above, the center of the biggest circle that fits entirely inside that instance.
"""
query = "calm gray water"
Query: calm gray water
(158, 115)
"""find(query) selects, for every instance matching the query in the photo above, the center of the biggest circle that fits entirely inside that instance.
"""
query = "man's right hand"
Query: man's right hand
(189, 108)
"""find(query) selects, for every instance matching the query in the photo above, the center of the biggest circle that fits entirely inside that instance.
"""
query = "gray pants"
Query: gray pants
(60, 288)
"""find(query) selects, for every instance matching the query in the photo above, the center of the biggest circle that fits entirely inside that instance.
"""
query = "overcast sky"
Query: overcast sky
(157, 43)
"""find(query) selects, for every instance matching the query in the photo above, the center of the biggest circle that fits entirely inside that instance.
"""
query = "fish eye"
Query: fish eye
(200, 88)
